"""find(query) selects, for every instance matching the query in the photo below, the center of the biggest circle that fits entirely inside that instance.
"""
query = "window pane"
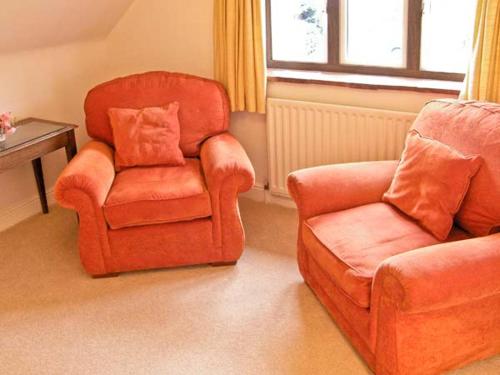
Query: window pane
(299, 30)
(374, 32)
(447, 29)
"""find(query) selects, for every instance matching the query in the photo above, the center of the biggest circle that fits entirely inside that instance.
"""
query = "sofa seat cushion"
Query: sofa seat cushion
(153, 195)
(349, 245)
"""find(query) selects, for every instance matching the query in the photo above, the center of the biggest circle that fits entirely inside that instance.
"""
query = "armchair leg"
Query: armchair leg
(106, 275)
(224, 264)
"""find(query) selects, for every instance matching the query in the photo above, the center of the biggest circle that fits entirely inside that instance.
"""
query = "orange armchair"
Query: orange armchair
(409, 303)
(155, 217)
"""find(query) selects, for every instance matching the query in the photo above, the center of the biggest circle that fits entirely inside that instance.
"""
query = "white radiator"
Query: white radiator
(302, 134)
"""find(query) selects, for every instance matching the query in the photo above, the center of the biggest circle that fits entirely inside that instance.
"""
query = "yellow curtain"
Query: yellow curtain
(238, 52)
(482, 81)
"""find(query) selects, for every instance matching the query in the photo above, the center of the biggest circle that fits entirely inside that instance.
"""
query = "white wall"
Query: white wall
(163, 35)
(29, 24)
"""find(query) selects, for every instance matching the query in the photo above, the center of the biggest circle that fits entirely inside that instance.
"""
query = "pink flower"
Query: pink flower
(6, 120)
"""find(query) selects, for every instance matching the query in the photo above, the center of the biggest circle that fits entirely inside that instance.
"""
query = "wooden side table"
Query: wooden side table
(33, 139)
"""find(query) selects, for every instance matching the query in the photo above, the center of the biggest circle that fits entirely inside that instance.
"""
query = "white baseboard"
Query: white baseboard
(257, 193)
(260, 194)
(20, 211)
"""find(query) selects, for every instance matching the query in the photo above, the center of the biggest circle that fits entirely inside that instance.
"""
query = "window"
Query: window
(447, 28)
(300, 31)
(411, 38)
(374, 34)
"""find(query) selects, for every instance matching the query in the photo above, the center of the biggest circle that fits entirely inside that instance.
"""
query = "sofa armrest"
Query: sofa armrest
(337, 187)
(223, 157)
(91, 172)
(441, 276)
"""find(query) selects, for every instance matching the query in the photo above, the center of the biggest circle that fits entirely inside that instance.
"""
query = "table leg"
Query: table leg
(70, 153)
(40, 184)
(71, 146)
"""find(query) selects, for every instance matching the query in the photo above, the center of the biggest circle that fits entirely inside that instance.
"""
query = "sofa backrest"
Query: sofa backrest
(203, 105)
(472, 128)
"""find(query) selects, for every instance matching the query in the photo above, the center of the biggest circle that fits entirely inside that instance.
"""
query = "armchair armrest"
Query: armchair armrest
(91, 172)
(222, 156)
(228, 171)
(337, 187)
(84, 186)
(441, 276)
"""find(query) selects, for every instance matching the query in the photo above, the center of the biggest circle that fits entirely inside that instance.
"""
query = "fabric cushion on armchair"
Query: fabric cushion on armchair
(158, 216)
(147, 136)
(409, 303)
(431, 182)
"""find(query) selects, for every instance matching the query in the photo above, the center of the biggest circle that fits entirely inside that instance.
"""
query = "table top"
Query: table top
(31, 131)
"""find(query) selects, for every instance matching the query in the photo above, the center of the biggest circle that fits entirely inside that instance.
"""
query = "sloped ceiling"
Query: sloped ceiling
(27, 24)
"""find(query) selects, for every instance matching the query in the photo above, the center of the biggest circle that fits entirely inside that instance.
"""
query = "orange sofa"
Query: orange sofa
(155, 217)
(409, 303)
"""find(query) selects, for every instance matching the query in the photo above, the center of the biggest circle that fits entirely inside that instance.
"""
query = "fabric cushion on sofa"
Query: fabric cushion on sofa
(430, 183)
(349, 245)
(160, 194)
(148, 136)
(472, 128)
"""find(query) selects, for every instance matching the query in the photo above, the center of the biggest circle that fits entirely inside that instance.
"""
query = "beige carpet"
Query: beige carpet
(255, 318)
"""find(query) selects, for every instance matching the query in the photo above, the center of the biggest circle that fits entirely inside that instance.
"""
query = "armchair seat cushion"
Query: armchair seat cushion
(154, 195)
(349, 245)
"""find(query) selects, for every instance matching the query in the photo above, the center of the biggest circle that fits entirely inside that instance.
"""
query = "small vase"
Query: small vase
(3, 137)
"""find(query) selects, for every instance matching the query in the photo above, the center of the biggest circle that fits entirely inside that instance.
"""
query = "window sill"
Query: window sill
(362, 81)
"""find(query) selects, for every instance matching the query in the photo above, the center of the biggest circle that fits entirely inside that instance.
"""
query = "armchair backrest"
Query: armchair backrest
(203, 105)
(473, 128)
